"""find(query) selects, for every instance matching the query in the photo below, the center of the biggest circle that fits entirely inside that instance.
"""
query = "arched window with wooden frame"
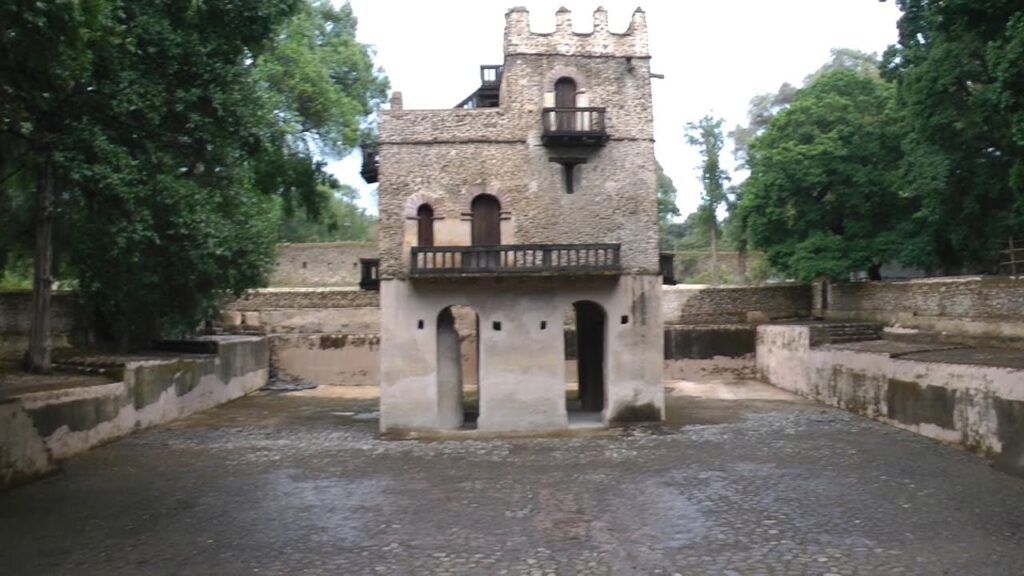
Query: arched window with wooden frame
(425, 225)
(565, 98)
(486, 211)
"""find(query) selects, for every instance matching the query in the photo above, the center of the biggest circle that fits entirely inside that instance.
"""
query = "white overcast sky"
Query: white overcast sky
(715, 55)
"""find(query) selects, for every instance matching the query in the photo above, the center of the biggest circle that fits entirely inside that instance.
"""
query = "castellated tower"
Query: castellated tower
(519, 241)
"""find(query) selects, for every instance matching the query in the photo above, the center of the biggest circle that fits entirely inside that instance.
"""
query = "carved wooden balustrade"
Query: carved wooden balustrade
(516, 259)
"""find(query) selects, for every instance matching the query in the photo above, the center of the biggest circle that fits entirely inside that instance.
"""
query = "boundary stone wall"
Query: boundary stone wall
(697, 304)
(981, 309)
(319, 265)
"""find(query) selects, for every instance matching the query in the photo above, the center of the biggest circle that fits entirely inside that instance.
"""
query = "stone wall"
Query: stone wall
(320, 265)
(735, 304)
(38, 428)
(980, 309)
(16, 320)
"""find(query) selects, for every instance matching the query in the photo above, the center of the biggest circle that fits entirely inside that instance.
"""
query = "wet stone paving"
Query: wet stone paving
(301, 484)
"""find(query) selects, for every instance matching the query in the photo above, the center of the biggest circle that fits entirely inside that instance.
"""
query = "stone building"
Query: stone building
(530, 203)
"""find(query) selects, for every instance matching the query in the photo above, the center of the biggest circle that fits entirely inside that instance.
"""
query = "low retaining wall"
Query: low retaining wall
(976, 406)
(41, 427)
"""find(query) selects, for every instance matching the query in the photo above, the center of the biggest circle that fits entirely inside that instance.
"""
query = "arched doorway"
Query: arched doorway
(565, 97)
(458, 359)
(486, 211)
(425, 225)
(589, 320)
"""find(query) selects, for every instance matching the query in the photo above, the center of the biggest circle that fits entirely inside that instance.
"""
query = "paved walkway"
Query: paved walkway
(745, 480)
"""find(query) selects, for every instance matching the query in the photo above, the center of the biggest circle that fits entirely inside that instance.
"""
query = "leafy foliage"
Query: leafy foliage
(821, 198)
(959, 72)
(176, 131)
(342, 221)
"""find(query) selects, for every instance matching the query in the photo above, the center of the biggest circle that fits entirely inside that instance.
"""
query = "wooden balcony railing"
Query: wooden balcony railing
(574, 127)
(529, 259)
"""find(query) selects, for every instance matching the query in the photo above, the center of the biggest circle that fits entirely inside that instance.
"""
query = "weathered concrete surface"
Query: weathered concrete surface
(335, 359)
(23, 454)
(936, 391)
(69, 420)
(300, 484)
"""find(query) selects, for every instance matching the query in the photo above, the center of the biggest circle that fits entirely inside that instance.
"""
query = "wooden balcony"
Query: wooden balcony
(516, 260)
(573, 127)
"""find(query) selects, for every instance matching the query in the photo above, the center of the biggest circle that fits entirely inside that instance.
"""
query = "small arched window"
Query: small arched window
(425, 225)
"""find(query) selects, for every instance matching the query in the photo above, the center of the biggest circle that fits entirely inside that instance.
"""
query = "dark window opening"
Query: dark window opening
(624, 320)
(303, 265)
(425, 225)
(420, 324)
(497, 326)
(543, 324)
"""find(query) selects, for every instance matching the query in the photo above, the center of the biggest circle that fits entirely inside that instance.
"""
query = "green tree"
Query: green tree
(44, 74)
(667, 208)
(706, 135)
(323, 89)
(343, 221)
(167, 144)
(959, 71)
(822, 195)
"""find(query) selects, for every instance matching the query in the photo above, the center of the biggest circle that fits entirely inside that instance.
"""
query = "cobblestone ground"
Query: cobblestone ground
(300, 484)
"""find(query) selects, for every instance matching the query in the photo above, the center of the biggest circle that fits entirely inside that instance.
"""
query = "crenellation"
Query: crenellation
(520, 39)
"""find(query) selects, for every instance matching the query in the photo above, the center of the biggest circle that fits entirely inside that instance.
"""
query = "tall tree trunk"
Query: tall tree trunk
(714, 251)
(38, 357)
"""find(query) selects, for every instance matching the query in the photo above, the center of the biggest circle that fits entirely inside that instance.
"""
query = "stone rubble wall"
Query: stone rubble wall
(978, 309)
(320, 264)
(520, 39)
(695, 304)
